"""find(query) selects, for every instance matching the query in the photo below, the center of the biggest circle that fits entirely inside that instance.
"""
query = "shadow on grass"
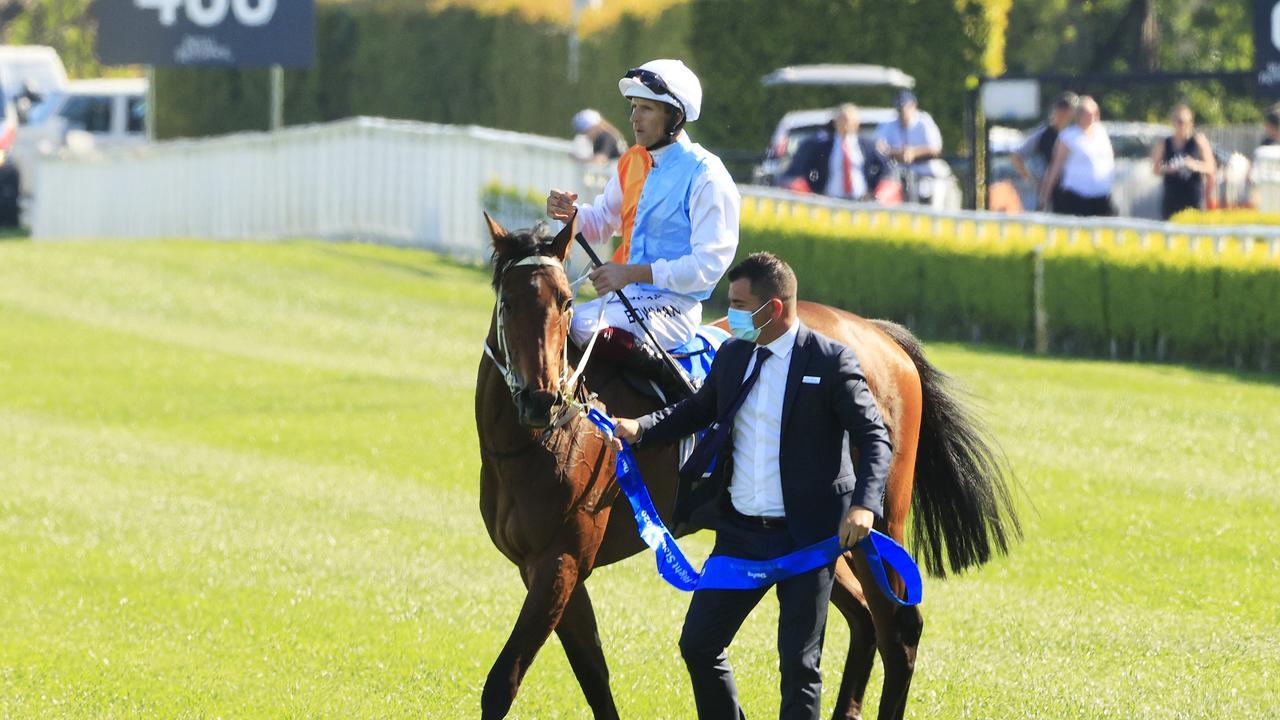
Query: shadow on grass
(14, 233)
(350, 251)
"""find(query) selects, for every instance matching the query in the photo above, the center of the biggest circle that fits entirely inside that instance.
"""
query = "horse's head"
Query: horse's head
(531, 320)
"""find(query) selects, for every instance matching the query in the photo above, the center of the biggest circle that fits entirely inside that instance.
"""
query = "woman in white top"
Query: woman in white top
(1084, 162)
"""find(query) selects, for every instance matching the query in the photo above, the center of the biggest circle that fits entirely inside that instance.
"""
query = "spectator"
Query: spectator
(912, 140)
(605, 141)
(1271, 126)
(1085, 163)
(836, 161)
(1185, 161)
(1033, 157)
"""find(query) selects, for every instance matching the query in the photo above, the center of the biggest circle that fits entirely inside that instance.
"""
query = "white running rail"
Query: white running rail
(405, 183)
(420, 184)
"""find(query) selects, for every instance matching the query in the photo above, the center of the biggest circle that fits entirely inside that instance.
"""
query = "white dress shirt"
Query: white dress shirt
(841, 146)
(756, 488)
(713, 216)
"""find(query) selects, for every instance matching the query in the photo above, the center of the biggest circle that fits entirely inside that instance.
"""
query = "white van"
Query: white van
(28, 74)
(85, 116)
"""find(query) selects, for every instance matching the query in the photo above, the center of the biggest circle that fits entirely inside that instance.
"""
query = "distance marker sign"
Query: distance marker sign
(206, 32)
(1266, 46)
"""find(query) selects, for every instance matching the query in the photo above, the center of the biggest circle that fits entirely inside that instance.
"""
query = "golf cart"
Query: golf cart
(797, 126)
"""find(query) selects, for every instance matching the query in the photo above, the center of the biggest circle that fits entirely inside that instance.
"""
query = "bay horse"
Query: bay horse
(551, 503)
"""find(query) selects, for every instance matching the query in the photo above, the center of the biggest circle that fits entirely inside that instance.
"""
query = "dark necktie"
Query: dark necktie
(707, 449)
(848, 169)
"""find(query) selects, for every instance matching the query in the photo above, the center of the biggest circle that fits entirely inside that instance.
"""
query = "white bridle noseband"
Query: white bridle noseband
(567, 390)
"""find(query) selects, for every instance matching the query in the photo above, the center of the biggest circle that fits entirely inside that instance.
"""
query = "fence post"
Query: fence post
(1039, 316)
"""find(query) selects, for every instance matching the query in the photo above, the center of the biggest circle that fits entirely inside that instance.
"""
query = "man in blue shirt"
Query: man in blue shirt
(913, 140)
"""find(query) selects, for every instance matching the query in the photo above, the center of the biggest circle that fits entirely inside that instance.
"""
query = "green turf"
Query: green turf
(239, 480)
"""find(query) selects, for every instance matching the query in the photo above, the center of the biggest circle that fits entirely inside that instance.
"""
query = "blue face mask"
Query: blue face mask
(742, 323)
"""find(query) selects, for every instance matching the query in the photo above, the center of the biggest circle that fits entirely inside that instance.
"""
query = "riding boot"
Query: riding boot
(622, 348)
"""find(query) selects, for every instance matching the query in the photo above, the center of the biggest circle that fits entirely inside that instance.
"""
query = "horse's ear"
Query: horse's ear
(496, 232)
(564, 240)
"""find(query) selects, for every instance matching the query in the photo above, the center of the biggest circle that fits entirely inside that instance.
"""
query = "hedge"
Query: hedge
(447, 65)
(457, 65)
(939, 42)
(1128, 302)
(1225, 217)
(969, 289)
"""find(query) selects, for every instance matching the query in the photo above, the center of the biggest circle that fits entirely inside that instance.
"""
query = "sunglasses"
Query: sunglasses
(653, 82)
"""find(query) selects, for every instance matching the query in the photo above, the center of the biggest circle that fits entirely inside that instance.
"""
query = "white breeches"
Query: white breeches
(672, 318)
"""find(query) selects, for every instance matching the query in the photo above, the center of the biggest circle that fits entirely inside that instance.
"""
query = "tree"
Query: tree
(65, 25)
(1122, 36)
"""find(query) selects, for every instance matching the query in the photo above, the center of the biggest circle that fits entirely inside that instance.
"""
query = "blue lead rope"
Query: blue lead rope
(730, 573)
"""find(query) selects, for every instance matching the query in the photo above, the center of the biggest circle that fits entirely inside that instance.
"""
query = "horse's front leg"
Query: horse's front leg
(581, 641)
(551, 581)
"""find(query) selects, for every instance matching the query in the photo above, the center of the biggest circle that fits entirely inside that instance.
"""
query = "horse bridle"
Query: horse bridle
(566, 394)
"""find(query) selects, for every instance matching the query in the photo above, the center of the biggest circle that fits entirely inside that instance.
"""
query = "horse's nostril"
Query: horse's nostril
(541, 401)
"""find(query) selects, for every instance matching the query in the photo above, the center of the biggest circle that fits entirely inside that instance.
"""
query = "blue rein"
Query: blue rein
(729, 573)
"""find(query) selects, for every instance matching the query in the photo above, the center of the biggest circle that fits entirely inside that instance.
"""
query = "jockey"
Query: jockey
(676, 208)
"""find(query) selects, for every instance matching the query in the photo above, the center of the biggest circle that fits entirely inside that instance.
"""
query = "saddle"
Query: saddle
(694, 357)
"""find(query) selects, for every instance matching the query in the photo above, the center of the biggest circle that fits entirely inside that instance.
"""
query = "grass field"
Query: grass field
(239, 480)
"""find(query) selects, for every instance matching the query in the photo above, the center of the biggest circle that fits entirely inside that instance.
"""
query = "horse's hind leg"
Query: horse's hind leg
(846, 595)
(581, 640)
(551, 581)
(897, 636)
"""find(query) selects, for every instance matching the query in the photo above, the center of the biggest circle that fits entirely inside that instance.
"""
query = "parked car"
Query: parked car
(85, 115)
(29, 73)
(799, 125)
(1136, 191)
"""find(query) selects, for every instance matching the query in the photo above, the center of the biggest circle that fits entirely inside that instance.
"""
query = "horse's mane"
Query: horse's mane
(518, 245)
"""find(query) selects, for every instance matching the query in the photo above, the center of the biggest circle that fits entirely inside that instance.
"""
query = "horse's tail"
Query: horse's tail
(961, 500)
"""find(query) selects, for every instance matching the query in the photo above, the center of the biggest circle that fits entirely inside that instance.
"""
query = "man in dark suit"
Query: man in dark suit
(791, 407)
(836, 161)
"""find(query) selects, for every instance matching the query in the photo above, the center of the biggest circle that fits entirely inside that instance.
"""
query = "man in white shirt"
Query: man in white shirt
(795, 407)
(912, 140)
(676, 208)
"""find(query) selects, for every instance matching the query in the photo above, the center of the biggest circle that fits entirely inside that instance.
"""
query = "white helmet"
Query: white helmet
(667, 81)
(584, 120)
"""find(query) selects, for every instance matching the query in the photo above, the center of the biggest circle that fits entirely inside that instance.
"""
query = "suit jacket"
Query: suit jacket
(819, 482)
(812, 162)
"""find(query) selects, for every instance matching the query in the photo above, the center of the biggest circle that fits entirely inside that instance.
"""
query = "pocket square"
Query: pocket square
(810, 380)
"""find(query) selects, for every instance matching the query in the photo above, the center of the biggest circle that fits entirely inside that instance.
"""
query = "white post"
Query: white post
(1039, 316)
(150, 119)
(277, 97)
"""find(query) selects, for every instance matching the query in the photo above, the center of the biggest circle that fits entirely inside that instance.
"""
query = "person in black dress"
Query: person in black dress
(1186, 163)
